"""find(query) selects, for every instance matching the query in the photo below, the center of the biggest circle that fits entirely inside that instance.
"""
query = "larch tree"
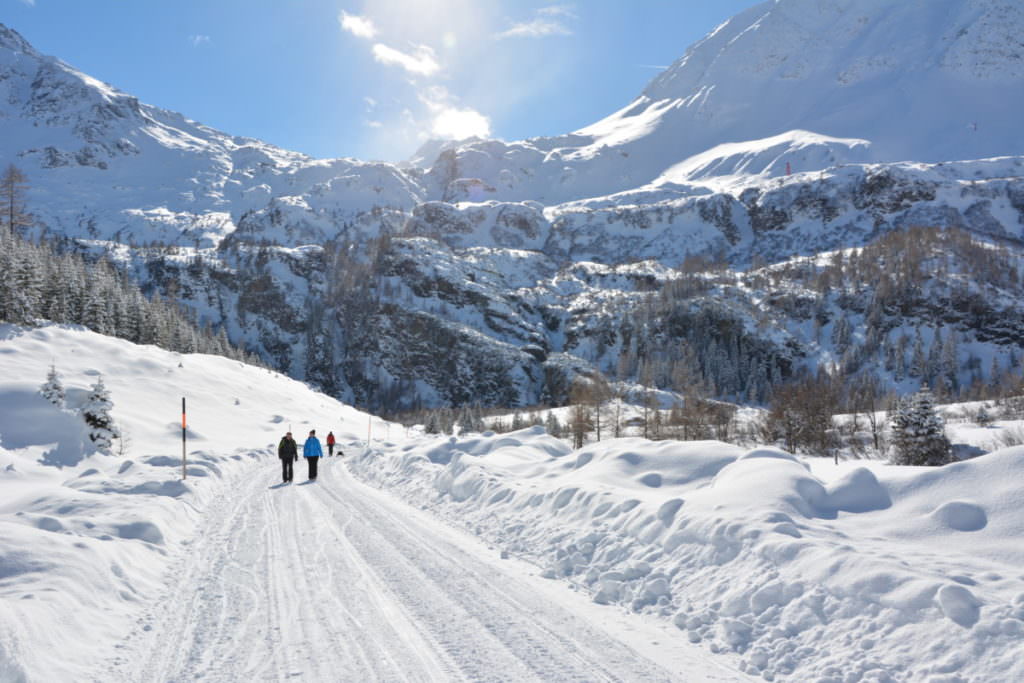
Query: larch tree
(13, 186)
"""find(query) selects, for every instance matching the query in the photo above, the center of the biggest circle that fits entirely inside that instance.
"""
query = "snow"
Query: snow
(670, 560)
(804, 569)
(113, 568)
(703, 561)
(86, 539)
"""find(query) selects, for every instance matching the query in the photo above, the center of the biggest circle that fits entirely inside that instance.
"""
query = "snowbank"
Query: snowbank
(86, 539)
(866, 572)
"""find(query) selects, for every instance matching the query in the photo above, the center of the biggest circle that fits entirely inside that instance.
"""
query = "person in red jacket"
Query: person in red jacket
(330, 443)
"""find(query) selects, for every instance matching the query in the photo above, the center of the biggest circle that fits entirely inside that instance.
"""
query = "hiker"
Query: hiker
(289, 453)
(312, 452)
(330, 443)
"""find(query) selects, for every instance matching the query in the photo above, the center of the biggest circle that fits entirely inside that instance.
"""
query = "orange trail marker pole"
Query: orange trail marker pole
(184, 474)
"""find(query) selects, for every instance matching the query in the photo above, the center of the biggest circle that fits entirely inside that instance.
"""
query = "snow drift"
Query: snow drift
(858, 572)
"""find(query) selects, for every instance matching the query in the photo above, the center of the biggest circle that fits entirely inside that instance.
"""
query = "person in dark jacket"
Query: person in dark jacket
(330, 443)
(312, 452)
(288, 451)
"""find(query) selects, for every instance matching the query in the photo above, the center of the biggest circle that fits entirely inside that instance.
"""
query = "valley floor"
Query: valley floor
(334, 580)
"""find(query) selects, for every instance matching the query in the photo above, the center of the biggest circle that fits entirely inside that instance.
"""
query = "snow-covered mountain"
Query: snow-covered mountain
(105, 166)
(797, 127)
(919, 80)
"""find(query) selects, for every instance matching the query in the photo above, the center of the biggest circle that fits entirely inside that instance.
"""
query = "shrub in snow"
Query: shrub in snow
(918, 432)
(96, 413)
(983, 418)
(52, 390)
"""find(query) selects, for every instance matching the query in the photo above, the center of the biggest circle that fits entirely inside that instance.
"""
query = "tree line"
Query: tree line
(45, 281)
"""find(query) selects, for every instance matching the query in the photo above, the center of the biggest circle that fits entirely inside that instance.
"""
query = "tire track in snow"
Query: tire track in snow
(265, 593)
(336, 581)
(502, 631)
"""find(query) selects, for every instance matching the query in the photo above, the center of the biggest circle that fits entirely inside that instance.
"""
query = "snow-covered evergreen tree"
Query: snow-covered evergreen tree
(432, 425)
(552, 425)
(919, 433)
(96, 413)
(52, 390)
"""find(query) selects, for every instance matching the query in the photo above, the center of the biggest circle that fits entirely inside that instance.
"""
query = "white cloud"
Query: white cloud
(548, 21)
(198, 39)
(422, 63)
(360, 27)
(30, 3)
(557, 11)
(371, 103)
(538, 28)
(374, 124)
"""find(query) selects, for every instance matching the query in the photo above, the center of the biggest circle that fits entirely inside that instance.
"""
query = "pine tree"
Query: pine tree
(950, 360)
(918, 432)
(432, 425)
(52, 390)
(96, 413)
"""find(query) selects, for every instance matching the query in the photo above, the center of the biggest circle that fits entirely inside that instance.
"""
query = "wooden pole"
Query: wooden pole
(184, 473)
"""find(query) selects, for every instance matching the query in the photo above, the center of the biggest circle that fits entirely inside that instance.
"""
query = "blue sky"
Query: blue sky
(373, 78)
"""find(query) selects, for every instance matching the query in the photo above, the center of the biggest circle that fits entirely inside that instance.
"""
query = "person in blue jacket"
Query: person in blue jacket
(312, 452)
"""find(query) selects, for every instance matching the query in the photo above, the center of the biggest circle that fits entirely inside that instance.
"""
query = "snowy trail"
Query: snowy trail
(336, 581)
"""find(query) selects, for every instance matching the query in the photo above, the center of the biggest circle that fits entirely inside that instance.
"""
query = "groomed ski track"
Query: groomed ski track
(337, 581)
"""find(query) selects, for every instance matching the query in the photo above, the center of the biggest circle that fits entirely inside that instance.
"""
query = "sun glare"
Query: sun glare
(458, 124)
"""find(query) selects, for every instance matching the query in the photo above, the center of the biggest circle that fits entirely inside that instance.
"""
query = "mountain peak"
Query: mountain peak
(12, 40)
(846, 42)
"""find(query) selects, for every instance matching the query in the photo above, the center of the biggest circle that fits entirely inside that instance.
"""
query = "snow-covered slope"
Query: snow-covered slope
(86, 539)
(103, 165)
(114, 569)
(921, 80)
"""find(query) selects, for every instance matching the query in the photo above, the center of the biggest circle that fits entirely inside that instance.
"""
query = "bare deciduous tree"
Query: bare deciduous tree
(13, 186)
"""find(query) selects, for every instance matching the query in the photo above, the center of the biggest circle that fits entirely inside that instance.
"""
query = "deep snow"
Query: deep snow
(810, 571)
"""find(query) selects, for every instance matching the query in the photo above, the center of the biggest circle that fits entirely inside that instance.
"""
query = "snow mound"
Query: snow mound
(961, 515)
(789, 152)
(858, 491)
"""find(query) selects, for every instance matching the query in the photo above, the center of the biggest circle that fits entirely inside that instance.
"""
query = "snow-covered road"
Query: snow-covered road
(336, 581)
